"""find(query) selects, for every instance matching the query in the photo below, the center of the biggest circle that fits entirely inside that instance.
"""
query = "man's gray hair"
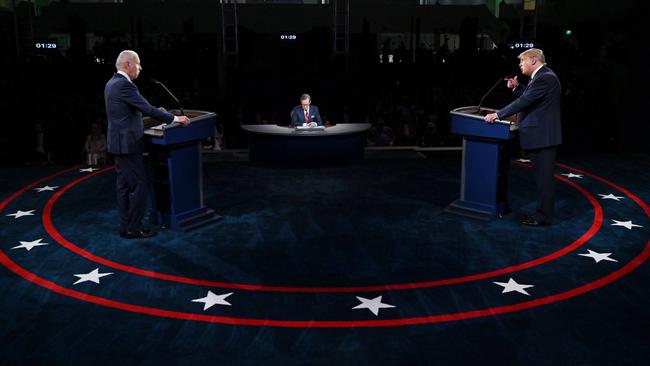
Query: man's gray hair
(124, 57)
(304, 97)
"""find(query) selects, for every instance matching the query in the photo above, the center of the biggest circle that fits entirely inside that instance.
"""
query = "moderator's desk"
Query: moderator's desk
(340, 143)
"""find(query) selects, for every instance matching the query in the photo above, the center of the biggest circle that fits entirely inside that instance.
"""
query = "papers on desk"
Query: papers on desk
(306, 128)
(158, 130)
(164, 126)
(159, 127)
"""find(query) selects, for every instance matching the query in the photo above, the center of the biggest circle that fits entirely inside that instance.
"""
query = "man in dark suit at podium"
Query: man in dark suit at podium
(305, 114)
(124, 108)
(540, 129)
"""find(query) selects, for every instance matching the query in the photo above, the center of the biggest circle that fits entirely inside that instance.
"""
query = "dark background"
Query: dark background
(180, 42)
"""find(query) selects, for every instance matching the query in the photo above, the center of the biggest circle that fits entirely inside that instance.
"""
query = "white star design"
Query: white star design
(88, 170)
(610, 197)
(46, 188)
(212, 299)
(512, 285)
(523, 160)
(626, 224)
(92, 276)
(19, 213)
(598, 256)
(29, 245)
(571, 175)
(372, 304)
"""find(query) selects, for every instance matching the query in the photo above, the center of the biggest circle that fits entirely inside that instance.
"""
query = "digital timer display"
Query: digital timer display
(45, 45)
(288, 37)
(522, 45)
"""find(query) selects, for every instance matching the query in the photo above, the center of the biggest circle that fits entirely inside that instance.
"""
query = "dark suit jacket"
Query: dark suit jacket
(298, 116)
(124, 109)
(538, 106)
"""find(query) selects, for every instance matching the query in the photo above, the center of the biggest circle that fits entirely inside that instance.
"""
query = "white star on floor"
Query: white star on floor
(598, 256)
(46, 188)
(372, 304)
(29, 245)
(19, 213)
(571, 175)
(88, 170)
(92, 276)
(626, 224)
(512, 285)
(610, 197)
(523, 160)
(212, 299)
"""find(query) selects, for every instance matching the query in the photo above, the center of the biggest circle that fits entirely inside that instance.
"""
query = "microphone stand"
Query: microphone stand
(172, 95)
(478, 109)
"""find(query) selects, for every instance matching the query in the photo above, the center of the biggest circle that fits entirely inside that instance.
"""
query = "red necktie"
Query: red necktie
(306, 116)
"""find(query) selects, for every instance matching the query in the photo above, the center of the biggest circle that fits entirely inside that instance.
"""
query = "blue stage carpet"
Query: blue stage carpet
(351, 265)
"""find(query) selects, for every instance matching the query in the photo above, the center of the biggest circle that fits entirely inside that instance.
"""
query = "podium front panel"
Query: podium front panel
(175, 156)
(484, 180)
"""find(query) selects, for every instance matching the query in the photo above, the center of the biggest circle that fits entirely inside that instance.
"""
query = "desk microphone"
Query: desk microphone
(170, 93)
(478, 109)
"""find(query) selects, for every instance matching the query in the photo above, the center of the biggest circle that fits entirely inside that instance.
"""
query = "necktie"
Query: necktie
(530, 82)
(306, 116)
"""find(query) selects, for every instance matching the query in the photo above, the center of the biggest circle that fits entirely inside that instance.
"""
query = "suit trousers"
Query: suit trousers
(131, 190)
(543, 161)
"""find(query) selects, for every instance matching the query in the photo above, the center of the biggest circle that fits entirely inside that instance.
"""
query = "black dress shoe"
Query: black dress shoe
(531, 220)
(526, 216)
(138, 234)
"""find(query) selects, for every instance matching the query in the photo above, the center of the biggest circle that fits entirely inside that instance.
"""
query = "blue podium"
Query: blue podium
(177, 170)
(484, 175)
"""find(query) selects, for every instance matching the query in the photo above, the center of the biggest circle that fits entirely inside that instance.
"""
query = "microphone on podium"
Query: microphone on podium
(505, 78)
(170, 93)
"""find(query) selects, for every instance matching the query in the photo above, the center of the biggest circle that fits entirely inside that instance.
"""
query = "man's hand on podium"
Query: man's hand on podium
(490, 117)
(184, 120)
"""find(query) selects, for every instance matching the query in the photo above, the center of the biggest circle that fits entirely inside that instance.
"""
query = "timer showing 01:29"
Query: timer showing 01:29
(41, 45)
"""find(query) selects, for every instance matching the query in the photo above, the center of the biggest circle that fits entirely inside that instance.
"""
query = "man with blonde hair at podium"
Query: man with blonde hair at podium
(124, 109)
(540, 128)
